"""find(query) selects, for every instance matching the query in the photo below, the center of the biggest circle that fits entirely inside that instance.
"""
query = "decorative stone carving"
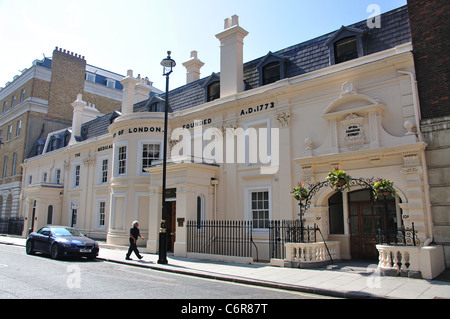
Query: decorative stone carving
(283, 118)
(89, 160)
(354, 131)
(228, 126)
(347, 88)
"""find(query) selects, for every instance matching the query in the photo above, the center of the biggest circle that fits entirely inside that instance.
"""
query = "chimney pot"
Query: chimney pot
(193, 66)
(227, 23)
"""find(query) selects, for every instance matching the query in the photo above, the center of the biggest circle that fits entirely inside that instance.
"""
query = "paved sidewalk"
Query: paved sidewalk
(346, 280)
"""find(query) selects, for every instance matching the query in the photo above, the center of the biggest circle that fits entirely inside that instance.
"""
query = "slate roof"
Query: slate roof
(307, 56)
(301, 58)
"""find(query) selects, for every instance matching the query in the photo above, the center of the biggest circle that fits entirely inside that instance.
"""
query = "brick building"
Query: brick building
(38, 101)
(430, 28)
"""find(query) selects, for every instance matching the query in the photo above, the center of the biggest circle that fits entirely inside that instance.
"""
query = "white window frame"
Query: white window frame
(90, 77)
(98, 206)
(116, 159)
(111, 83)
(9, 133)
(100, 170)
(248, 204)
(74, 175)
(139, 166)
(14, 167)
(5, 166)
(18, 128)
(22, 95)
(58, 176)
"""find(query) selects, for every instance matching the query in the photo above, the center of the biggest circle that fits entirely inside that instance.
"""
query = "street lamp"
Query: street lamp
(168, 65)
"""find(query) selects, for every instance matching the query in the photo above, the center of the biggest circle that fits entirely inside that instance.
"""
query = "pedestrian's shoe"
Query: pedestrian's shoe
(128, 258)
(140, 257)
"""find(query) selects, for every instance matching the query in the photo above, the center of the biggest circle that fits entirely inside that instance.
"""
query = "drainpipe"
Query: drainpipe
(417, 114)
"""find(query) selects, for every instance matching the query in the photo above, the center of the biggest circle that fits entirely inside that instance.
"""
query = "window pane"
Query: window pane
(345, 50)
(271, 73)
(260, 209)
(213, 91)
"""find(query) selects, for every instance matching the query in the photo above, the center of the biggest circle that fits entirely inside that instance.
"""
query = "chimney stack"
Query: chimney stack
(77, 118)
(142, 89)
(129, 88)
(231, 57)
(193, 66)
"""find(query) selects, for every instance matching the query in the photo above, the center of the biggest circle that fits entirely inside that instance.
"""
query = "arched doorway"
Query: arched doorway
(367, 218)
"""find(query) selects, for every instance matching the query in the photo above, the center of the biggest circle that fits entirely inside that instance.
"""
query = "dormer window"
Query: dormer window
(212, 87)
(111, 83)
(345, 50)
(90, 77)
(213, 91)
(155, 107)
(271, 69)
(155, 104)
(271, 73)
(345, 45)
(113, 116)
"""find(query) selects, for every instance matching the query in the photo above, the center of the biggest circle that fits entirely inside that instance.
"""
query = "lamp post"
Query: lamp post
(168, 65)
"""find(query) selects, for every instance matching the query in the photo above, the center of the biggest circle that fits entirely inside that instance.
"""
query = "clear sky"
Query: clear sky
(118, 35)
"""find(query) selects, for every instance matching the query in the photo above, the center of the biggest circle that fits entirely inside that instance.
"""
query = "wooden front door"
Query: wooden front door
(171, 218)
(365, 217)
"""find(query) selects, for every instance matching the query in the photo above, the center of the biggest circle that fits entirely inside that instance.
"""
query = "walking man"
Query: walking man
(134, 234)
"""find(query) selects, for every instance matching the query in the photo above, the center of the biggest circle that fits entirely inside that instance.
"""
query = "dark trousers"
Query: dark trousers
(133, 247)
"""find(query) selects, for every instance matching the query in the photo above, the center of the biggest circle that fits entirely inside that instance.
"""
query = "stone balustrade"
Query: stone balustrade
(421, 262)
(312, 254)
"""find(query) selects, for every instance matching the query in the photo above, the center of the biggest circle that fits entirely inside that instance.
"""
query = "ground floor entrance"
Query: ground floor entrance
(171, 217)
(367, 220)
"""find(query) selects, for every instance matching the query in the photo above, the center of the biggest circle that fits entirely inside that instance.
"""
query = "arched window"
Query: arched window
(336, 214)
(200, 210)
(50, 215)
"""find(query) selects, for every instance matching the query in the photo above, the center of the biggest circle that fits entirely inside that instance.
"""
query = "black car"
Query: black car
(58, 241)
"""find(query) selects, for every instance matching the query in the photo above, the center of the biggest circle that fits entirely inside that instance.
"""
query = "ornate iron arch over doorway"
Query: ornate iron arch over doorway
(381, 195)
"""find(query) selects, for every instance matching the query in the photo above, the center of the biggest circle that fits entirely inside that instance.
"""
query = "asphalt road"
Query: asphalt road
(34, 277)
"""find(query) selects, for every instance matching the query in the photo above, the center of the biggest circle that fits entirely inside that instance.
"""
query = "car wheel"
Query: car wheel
(29, 248)
(91, 257)
(54, 251)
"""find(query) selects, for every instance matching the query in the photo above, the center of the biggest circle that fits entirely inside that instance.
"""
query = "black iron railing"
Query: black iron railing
(229, 238)
(11, 226)
(289, 231)
(403, 236)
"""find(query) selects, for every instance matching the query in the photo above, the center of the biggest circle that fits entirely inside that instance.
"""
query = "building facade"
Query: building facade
(241, 139)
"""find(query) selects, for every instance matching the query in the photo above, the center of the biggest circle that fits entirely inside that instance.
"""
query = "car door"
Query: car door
(42, 239)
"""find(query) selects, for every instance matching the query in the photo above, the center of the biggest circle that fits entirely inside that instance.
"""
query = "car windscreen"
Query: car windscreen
(66, 232)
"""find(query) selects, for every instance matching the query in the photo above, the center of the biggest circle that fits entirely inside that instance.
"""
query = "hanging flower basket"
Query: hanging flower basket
(339, 178)
(300, 192)
(384, 187)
